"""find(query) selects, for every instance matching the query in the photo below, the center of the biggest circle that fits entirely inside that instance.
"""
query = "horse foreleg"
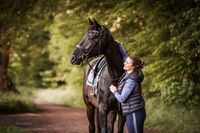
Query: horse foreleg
(103, 118)
(90, 116)
(111, 121)
(121, 122)
(97, 120)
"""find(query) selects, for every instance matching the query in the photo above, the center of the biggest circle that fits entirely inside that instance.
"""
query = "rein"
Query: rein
(115, 79)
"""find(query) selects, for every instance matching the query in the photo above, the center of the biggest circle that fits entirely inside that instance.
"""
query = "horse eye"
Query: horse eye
(90, 35)
(93, 34)
(96, 34)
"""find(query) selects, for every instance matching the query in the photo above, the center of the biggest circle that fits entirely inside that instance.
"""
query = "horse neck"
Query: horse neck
(114, 61)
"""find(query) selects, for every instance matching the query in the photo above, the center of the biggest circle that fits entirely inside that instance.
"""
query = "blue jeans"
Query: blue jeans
(135, 121)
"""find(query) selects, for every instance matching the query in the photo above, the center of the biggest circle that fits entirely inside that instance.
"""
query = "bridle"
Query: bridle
(87, 52)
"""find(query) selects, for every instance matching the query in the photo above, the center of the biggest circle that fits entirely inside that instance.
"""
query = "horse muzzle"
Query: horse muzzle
(74, 61)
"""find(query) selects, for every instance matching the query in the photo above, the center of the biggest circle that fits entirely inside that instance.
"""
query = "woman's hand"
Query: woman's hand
(113, 88)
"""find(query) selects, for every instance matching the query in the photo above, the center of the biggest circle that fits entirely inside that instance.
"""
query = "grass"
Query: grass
(15, 103)
(18, 103)
(11, 129)
(160, 116)
(171, 118)
(62, 96)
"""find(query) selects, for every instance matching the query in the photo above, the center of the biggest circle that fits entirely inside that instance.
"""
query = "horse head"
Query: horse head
(92, 44)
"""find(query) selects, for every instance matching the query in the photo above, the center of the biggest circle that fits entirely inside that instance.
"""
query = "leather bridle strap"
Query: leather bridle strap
(85, 56)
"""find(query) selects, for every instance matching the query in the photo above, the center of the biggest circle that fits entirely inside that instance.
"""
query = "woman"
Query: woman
(128, 93)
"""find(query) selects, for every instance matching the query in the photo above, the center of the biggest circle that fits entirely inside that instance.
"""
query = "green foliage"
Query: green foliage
(64, 36)
(15, 103)
(36, 61)
(30, 38)
(164, 34)
(171, 119)
(13, 13)
(11, 129)
(169, 43)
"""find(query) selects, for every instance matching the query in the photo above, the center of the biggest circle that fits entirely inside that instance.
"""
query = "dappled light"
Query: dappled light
(41, 90)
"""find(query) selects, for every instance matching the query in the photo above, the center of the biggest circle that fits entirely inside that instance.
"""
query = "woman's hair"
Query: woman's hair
(136, 62)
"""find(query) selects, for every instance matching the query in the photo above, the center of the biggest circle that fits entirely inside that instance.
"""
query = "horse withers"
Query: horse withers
(98, 40)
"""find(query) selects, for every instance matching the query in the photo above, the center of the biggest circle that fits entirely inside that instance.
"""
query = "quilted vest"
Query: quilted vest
(135, 100)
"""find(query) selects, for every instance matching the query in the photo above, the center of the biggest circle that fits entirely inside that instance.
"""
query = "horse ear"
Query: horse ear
(96, 23)
(90, 21)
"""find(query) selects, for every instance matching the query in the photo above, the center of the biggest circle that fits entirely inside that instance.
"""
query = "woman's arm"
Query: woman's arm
(126, 91)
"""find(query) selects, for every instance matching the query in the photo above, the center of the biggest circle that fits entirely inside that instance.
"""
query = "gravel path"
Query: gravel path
(51, 118)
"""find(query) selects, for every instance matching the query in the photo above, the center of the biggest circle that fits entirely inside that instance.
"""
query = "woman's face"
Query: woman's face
(128, 65)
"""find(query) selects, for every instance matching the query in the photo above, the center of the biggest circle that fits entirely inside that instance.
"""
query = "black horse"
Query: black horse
(98, 40)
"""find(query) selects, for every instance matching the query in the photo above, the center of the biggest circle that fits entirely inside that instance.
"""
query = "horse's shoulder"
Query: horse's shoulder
(94, 61)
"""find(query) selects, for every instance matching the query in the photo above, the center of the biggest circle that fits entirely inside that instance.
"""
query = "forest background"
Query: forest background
(38, 36)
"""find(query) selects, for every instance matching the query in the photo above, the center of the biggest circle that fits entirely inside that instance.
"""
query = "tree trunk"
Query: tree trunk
(4, 65)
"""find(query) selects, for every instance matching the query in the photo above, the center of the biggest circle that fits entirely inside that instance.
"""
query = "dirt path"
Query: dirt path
(51, 118)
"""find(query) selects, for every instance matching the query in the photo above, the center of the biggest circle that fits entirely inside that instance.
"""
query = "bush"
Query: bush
(15, 103)
(171, 118)
(11, 129)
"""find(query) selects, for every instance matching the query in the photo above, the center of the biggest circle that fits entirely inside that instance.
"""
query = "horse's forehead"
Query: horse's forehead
(91, 28)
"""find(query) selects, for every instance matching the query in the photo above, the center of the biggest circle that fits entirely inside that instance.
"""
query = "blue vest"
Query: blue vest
(135, 100)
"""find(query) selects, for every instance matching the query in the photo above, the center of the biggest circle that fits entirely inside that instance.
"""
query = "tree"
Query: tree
(17, 19)
(11, 14)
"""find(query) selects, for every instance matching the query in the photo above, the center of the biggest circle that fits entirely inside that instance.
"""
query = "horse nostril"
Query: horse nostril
(73, 58)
